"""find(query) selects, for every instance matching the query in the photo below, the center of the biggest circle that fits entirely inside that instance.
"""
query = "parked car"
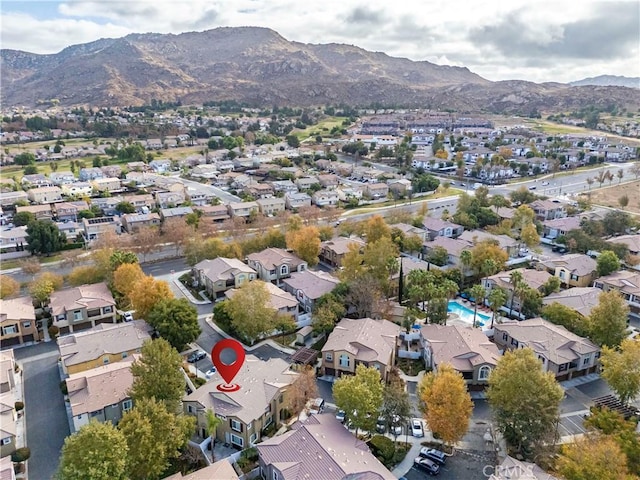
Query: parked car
(433, 455)
(544, 184)
(341, 416)
(380, 425)
(396, 427)
(426, 465)
(316, 406)
(128, 316)
(416, 428)
(532, 187)
(211, 372)
(196, 356)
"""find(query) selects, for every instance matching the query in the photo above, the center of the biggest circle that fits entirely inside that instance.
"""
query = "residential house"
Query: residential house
(260, 403)
(108, 184)
(95, 227)
(68, 211)
(71, 230)
(275, 264)
(578, 299)
(468, 350)
(170, 199)
(89, 174)
(222, 470)
(13, 239)
(41, 212)
(400, 186)
(140, 202)
(104, 344)
(7, 471)
(308, 286)
(107, 205)
(376, 190)
(573, 270)
(333, 251)
(627, 283)
(561, 352)
(175, 212)
(410, 230)
(243, 209)
(305, 183)
(45, 195)
(77, 189)
(17, 321)
(271, 206)
(7, 371)
(533, 278)
(631, 241)
(284, 186)
(162, 165)
(297, 200)
(259, 190)
(131, 222)
(215, 213)
(37, 180)
(325, 198)
(62, 178)
(111, 171)
(11, 198)
(8, 430)
(220, 274)
(328, 181)
(505, 242)
(363, 341)
(83, 307)
(548, 210)
(199, 196)
(319, 447)
(283, 302)
(348, 193)
(558, 227)
(454, 248)
(100, 394)
(437, 227)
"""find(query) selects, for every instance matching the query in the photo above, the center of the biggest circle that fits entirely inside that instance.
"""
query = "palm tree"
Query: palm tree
(497, 298)
(465, 261)
(478, 293)
(516, 279)
(498, 201)
(213, 423)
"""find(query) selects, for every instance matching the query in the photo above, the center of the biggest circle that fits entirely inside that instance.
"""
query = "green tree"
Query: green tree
(293, 141)
(97, 451)
(250, 311)
(478, 293)
(446, 403)
(567, 317)
(594, 456)
(327, 310)
(360, 396)
(213, 422)
(157, 374)
(438, 256)
(176, 320)
(608, 320)
(396, 405)
(23, 218)
(154, 437)
(607, 263)
(125, 207)
(496, 300)
(118, 257)
(24, 158)
(525, 400)
(43, 237)
(550, 286)
(621, 369)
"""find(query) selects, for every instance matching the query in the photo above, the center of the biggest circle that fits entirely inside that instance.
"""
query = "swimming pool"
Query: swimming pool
(466, 314)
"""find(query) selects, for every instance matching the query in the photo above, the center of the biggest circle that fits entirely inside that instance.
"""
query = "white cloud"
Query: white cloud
(468, 33)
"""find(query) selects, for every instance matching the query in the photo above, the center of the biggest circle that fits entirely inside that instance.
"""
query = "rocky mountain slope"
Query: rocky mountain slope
(609, 80)
(259, 67)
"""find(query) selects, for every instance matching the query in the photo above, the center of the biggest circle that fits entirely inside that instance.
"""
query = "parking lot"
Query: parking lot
(467, 465)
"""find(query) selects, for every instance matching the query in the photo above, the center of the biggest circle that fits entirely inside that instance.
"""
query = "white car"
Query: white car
(544, 184)
(128, 316)
(416, 428)
(210, 373)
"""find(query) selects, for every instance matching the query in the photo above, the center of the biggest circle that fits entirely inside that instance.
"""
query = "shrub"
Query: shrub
(383, 448)
(198, 382)
(21, 455)
(53, 331)
(63, 387)
(248, 459)
(19, 406)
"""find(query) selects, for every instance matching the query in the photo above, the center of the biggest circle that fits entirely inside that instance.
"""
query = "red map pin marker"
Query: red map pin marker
(228, 371)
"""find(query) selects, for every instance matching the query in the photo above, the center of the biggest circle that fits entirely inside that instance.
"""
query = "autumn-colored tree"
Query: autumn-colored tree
(250, 310)
(176, 231)
(305, 242)
(8, 286)
(302, 390)
(56, 280)
(83, 275)
(525, 400)
(621, 369)
(593, 456)
(365, 297)
(30, 266)
(446, 402)
(43, 286)
(126, 276)
(488, 251)
(145, 293)
(376, 228)
(146, 241)
(608, 320)
(198, 249)
(529, 236)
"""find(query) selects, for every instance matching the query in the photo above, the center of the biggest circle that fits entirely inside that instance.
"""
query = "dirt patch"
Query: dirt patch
(609, 196)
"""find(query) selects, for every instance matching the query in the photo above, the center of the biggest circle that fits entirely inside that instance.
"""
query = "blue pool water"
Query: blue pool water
(466, 314)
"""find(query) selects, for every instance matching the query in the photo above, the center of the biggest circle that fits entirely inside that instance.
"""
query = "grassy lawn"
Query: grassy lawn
(321, 128)
(608, 196)
(286, 340)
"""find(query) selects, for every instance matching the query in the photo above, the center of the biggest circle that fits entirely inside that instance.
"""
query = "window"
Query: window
(483, 373)
(125, 354)
(561, 274)
(9, 329)
(284, 270)
(236, 425)
(26, 325)
(253, 438)
(249, 426)
(95, 413)
(127, 405)
(105, 360)
(504, 336)
(329, 357)
(107, 309)
(514, 342)
(190, 409)
(574, 277)
(77, 315)
(275, 475)
(562, 367)
(268, 422)
(585, 361)
(6, 441)
(345, 361)
(236, 440)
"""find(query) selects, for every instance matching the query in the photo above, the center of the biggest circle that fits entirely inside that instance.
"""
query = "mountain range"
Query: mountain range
(257, 66)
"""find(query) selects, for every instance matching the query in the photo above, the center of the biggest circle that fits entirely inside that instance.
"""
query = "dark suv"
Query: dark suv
(426, 465)
(196, 356)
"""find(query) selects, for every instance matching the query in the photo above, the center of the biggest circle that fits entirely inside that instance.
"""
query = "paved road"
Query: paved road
(47, 424)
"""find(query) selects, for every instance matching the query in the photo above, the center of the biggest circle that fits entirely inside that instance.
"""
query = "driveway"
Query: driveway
(467, 465)
(46, 417)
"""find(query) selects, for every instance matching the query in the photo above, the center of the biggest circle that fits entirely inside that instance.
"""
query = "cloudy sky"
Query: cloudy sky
(558, 40)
